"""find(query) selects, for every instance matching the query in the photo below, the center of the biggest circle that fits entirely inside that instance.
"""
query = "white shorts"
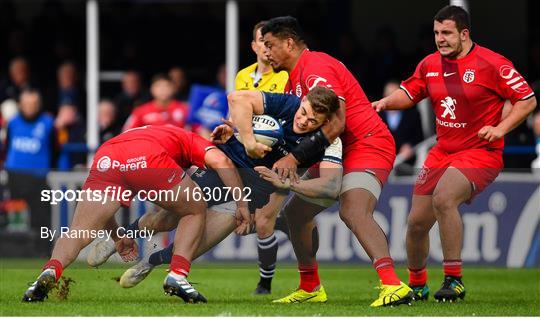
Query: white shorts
(361, 180)
(227, 207)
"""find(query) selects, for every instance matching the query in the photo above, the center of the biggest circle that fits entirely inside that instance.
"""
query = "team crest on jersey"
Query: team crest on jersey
(273, 87)
(298, 90)
(422, 175)
(468, 76)
(449, 105)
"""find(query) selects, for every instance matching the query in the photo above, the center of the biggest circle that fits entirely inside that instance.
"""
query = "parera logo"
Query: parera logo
(131, 164)
(449, 105)
(103, 164)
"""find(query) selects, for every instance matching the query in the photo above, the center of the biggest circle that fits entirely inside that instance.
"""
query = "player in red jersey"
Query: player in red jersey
(162, 110)
(468, 86)
(368, 157)
(144, 159)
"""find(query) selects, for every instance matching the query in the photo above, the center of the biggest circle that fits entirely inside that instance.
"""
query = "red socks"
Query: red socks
(180, 265)
(385, 268)
(417, 277)
(309, 277)
(56, 265)
(452, 267)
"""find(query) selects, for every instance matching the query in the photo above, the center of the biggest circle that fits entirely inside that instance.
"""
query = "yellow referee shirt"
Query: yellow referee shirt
(246, 79)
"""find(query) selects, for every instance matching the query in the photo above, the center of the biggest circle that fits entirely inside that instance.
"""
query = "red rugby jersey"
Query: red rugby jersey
(150, 113)
(466, 94)
(185, 147)
(320, 69)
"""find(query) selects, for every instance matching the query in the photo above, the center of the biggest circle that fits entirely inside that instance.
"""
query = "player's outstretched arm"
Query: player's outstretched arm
(225, 168)
(397, 100)
(326, 186)
(516, 116)
(242, 106)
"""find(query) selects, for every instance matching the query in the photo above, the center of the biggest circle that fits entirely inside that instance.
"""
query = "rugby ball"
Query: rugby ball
(266, 129)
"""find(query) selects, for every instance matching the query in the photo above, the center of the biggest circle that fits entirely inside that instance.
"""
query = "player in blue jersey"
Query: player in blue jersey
(298, 117)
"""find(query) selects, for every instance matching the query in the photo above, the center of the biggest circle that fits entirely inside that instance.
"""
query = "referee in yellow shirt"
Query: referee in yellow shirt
(261, 76)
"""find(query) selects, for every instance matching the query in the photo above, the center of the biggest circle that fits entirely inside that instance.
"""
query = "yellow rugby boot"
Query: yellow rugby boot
(302, 296)
(393, 295)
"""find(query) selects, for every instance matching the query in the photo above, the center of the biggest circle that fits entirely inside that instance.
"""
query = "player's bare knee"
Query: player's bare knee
(417, 226)
(196, 208)
(347, 216)
(442, 203)
(261, 224)
(264, 225)
(188, 206)
(350, 213)
(264, 229)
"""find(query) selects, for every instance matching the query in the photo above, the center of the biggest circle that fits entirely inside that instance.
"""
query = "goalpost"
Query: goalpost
(94, 73)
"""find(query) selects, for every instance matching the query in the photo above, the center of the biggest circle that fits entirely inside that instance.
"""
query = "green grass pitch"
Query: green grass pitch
(228, 287)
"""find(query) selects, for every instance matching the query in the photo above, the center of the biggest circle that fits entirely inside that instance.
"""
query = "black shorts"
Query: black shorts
(257, 189)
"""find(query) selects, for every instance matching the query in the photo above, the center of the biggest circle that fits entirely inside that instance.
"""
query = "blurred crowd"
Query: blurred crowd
(165, 99)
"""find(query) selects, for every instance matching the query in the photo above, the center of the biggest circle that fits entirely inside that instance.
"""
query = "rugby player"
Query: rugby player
(142, 159)
(368, 157)
(468, 85)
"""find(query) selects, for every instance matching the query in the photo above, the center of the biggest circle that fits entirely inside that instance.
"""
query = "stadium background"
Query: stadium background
(377, 40)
